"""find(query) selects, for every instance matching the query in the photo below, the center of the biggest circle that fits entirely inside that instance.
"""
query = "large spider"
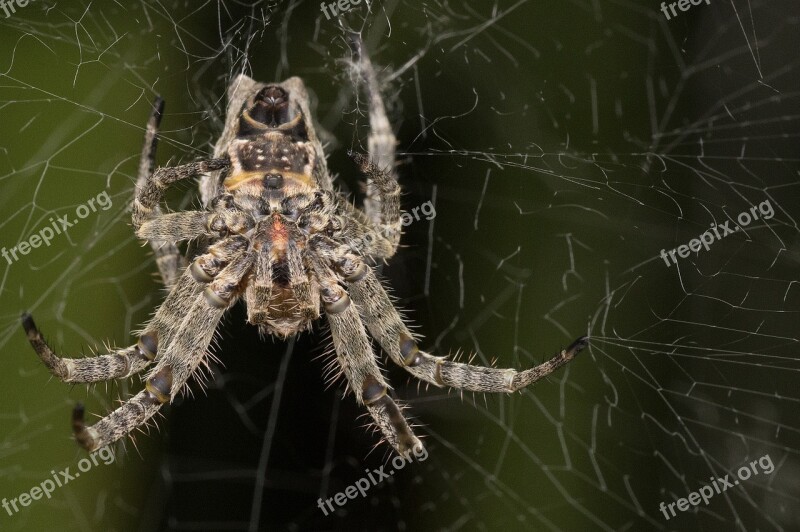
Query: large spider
(276, 233)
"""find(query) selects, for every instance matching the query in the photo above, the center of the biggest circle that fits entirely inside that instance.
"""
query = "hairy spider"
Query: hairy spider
(275, 233)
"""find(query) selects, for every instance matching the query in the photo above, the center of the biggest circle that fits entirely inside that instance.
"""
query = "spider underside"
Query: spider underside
(276, 234)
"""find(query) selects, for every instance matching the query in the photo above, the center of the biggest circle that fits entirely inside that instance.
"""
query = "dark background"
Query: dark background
(564, 145)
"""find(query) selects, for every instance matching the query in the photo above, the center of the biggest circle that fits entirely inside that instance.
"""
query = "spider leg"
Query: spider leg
(307, 294)
(386, 326)
(120, 363)
(176, 226)
(187, 225)
(388, 191)
(168, 321)
(117, 364)
(381, 141)
(125, 362)
(259, 290)
(355, 356)
(187, 351)
(148, 191)
(351, 225)
(145, 205)
(358, 232)
(178, 360)
(168, 258)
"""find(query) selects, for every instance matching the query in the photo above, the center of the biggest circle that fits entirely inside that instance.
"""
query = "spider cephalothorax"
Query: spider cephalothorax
(274, 233)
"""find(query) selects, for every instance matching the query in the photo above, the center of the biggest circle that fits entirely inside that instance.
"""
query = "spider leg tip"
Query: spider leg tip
(578, 345)
(27, 322)
(79, 428)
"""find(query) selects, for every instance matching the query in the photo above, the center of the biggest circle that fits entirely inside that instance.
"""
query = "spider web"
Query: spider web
(563, 145)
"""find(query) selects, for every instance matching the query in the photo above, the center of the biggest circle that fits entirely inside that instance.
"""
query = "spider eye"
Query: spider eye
(273, 181)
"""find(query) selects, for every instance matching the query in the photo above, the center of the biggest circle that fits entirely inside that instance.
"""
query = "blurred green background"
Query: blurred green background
(563, 145)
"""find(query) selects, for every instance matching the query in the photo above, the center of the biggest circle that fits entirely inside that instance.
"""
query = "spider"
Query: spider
(274, 232)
